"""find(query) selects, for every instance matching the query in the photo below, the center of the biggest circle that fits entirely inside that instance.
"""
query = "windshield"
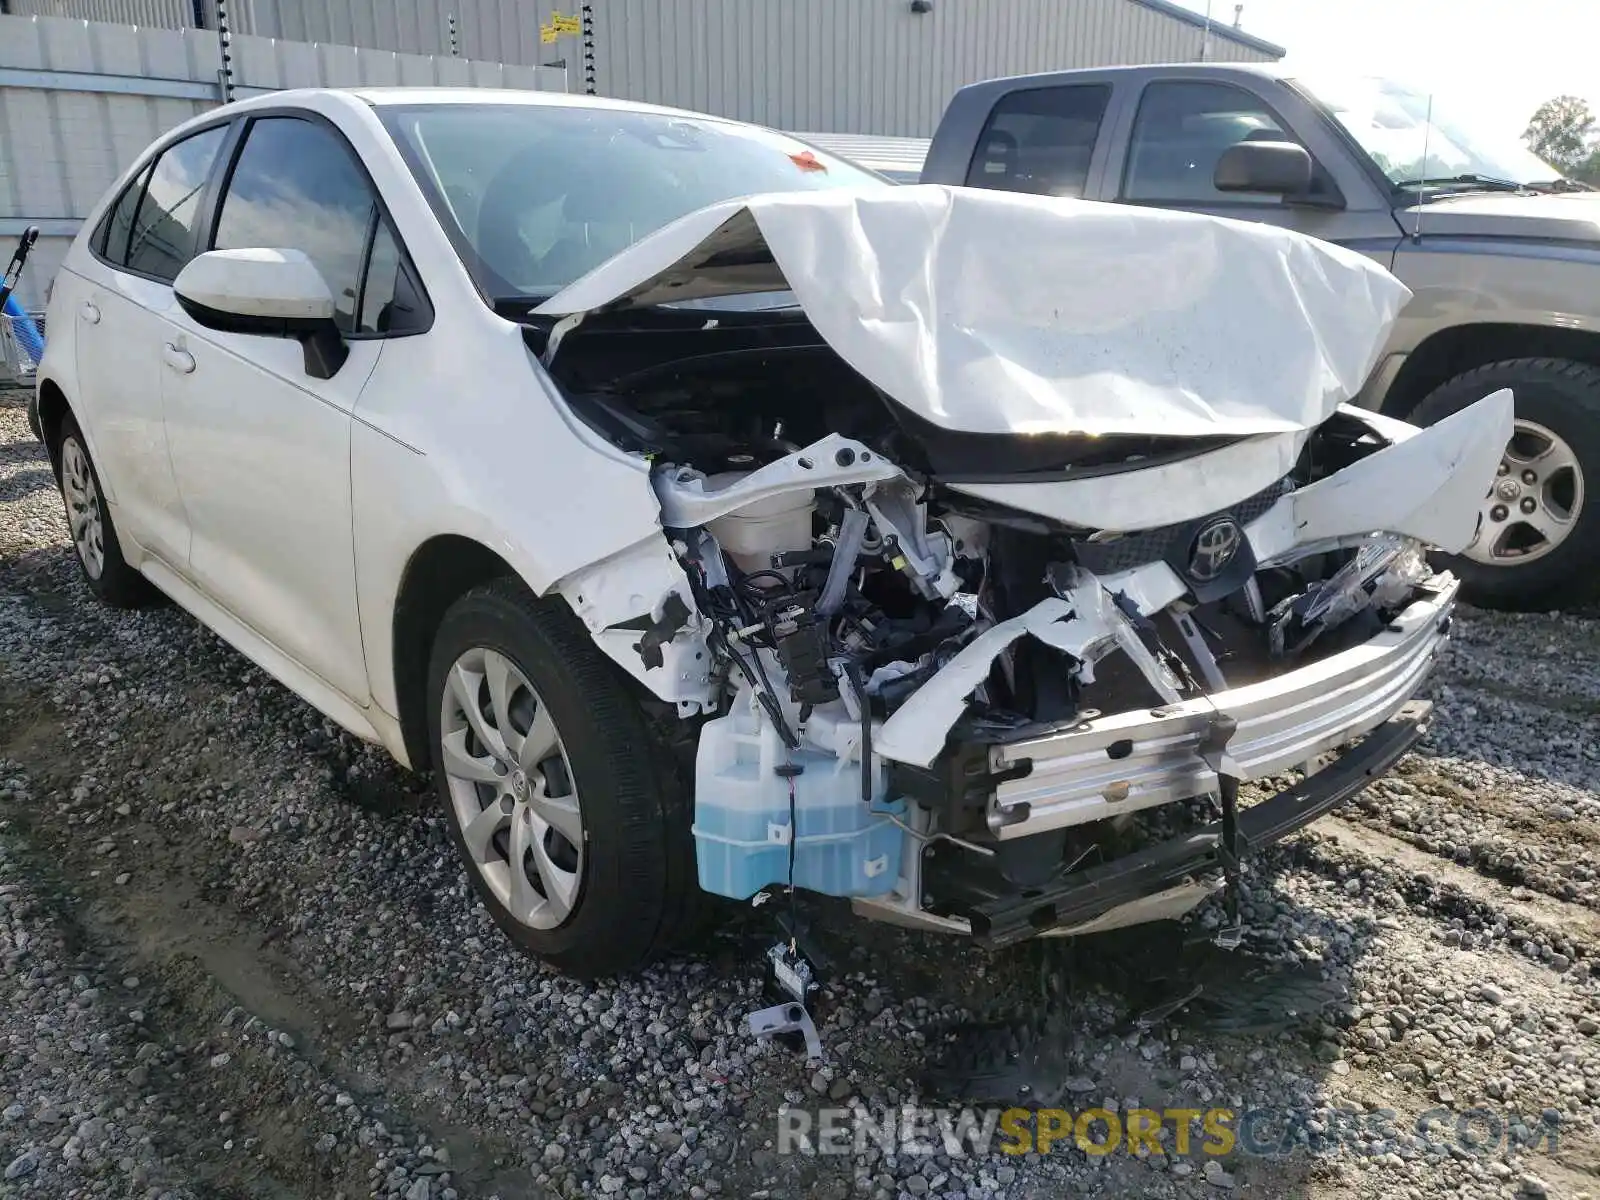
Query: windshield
(535, 195)
(1395, 126)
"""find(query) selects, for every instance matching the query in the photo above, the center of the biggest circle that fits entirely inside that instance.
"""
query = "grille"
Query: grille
(1169, 541)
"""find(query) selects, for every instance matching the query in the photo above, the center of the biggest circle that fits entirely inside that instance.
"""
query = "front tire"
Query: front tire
(568, 813)
(1539, 531)
(94, 535)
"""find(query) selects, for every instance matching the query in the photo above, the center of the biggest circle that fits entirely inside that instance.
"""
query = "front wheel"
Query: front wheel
(1539, 524)
(568, 813)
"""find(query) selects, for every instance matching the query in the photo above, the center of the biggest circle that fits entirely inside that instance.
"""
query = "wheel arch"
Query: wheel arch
(439, 572)
(1461, 348)
(53, 410)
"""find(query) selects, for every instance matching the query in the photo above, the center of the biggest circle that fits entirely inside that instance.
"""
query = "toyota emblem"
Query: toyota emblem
(1213, 549)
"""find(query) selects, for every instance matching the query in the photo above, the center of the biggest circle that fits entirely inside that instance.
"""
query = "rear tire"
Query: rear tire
(575, 788)
(1539, 537)
(94, 535)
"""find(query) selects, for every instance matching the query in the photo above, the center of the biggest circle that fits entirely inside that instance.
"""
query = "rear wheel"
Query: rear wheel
(94, 536)
(1539, 523)
(567, 811)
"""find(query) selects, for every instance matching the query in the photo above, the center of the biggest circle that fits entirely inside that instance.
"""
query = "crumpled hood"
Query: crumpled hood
(1569, 216)
(995, 312)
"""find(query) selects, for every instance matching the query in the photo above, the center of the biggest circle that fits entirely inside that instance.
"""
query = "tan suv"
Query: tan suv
(1502, 254)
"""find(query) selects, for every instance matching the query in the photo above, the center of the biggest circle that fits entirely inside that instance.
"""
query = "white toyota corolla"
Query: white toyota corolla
(712, 516)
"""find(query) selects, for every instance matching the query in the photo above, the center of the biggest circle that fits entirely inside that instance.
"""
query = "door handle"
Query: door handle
(89, 312)
(180, 361)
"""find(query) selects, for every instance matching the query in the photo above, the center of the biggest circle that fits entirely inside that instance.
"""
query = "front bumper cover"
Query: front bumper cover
(1118, 764)
(1083, 896)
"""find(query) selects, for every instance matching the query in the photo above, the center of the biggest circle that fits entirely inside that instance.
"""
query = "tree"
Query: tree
(1588, 170)
(1562, 133)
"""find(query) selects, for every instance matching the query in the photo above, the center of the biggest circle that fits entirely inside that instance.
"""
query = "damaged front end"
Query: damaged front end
(1003, 684)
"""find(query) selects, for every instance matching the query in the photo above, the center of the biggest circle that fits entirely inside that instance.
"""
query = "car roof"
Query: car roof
(381, 97)
(1275, 70)
(1186, 70)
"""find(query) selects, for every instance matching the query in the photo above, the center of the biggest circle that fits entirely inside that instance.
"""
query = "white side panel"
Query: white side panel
(1429, 486)
(261, 455)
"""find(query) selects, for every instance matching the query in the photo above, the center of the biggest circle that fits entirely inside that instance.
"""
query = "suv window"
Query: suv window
(162, 236)
(1180, 132)
(1040, 140)
(296, 186)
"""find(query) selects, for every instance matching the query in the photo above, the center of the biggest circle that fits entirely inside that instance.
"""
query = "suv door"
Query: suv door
(1043, 140)
(260, 448)
(140, 245)
(1180, 128)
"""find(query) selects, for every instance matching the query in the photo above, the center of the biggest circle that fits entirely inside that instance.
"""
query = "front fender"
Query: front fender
(507, 467)
(1459, 281)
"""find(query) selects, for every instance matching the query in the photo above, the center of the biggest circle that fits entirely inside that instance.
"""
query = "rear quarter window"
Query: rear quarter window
(162, 238)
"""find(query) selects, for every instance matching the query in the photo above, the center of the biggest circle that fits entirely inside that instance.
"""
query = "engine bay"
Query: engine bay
(863, 631)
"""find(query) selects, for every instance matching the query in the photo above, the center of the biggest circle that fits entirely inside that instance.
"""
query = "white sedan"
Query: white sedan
(711, 516)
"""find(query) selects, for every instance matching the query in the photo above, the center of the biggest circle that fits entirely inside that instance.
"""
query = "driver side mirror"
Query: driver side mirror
(1277, 168)
(269, 293)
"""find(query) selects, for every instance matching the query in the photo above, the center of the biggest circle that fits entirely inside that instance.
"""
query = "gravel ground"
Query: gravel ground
(237, 958)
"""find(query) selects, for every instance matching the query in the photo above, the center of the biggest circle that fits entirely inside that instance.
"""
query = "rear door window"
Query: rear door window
(1041, 140)
(162, 237)
(111, 239)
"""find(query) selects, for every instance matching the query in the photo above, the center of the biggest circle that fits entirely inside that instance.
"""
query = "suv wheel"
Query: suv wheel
(1539, 525)
(94, 536)
(568, 813)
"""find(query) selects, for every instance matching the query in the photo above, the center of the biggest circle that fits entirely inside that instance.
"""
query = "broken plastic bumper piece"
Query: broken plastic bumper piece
(1121, 763)
(1080, 897)
(768, 1023)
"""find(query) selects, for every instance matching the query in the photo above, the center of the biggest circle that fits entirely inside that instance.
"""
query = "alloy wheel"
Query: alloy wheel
(1534, 502)
(83, 507)
(511, 788)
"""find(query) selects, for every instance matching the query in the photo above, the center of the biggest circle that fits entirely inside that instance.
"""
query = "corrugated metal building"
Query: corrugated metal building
(838, 66)
(80, 99)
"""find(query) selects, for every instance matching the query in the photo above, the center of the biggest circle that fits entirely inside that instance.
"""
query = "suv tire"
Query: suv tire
(1557, 409)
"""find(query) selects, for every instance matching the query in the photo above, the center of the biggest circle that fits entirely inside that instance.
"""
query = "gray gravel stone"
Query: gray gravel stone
(1216, 1175)
(376, 992)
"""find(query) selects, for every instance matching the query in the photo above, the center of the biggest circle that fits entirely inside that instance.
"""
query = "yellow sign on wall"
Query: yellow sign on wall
(563, 24)
(547, 33)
